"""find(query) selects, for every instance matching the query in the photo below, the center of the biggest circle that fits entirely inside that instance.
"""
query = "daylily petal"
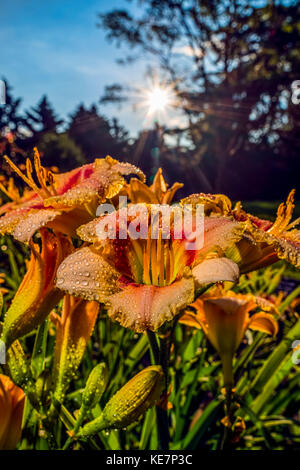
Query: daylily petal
(68, 220)
(86, 274)
(168, 197)
(157, 193)
(23, 223)
(263, 322)
(213, 203)
(266, 305)
(65, 181)
(215, 270)
(88, 232)
(266, 242)
(284, 215)
(251, 256)
(142, 307)
(286, 245)
(225, 328)
(190, 319)
(220, 232)
(12, 399)
(140, 192)
(105, 182)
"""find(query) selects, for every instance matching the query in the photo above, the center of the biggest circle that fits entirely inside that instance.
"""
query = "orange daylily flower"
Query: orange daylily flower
(73, 331)
(156, 193)
(63, 201)
(270, 241)
(264, 242)
(12, 399)
(224, 318)
(37, 294)
(145, 282)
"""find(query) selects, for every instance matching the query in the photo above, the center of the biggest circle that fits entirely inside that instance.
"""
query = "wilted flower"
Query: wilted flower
(264, 242)
(37, 294)
(145, 282)
(62, 201)
(73, 331)
(129, 403)
(224, 318)
(12, 400)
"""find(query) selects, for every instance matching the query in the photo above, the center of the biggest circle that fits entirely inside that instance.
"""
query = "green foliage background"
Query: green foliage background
(267, 382)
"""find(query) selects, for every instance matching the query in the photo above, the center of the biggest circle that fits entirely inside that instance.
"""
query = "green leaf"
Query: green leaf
(39, 349)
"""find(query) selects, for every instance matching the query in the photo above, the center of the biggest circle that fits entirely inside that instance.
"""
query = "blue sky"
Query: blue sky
(54, 47)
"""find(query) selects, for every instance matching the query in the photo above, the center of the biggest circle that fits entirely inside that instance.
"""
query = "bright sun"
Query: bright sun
(158, 99)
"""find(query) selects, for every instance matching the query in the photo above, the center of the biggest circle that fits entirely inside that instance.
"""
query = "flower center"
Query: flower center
(160, 260)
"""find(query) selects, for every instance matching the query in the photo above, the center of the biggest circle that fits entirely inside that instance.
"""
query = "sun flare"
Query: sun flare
(158, 99)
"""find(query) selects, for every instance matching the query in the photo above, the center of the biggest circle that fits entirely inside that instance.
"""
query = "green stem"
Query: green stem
(227, 370)
(161, 413)
(163, 428)
(154, 348)
(161, 356)
(228, 384)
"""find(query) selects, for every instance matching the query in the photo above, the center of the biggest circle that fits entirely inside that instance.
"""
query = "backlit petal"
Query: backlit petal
(190, 319)
(263, 322)
(104, 182)
(86, 274)
(286, 245)
(220, 232)
(215, 270)
(23, 223)
(213, 203)
(12, 399)
(142, 307)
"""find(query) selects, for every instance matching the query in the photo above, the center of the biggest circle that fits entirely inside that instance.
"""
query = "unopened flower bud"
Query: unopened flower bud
(95, 386)
(129, 403)
(19, 368)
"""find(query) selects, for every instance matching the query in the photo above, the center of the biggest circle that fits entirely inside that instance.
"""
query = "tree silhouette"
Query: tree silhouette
(60, 150)
(232, 64)
(10, 115)
(42, 118)
(95, 135)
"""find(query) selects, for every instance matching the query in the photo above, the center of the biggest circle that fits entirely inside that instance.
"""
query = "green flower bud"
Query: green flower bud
(129, 403)
(95, 386)
(20, 372)
(19, 367)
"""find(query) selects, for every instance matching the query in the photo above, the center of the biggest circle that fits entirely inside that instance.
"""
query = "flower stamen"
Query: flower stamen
(45, 178)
